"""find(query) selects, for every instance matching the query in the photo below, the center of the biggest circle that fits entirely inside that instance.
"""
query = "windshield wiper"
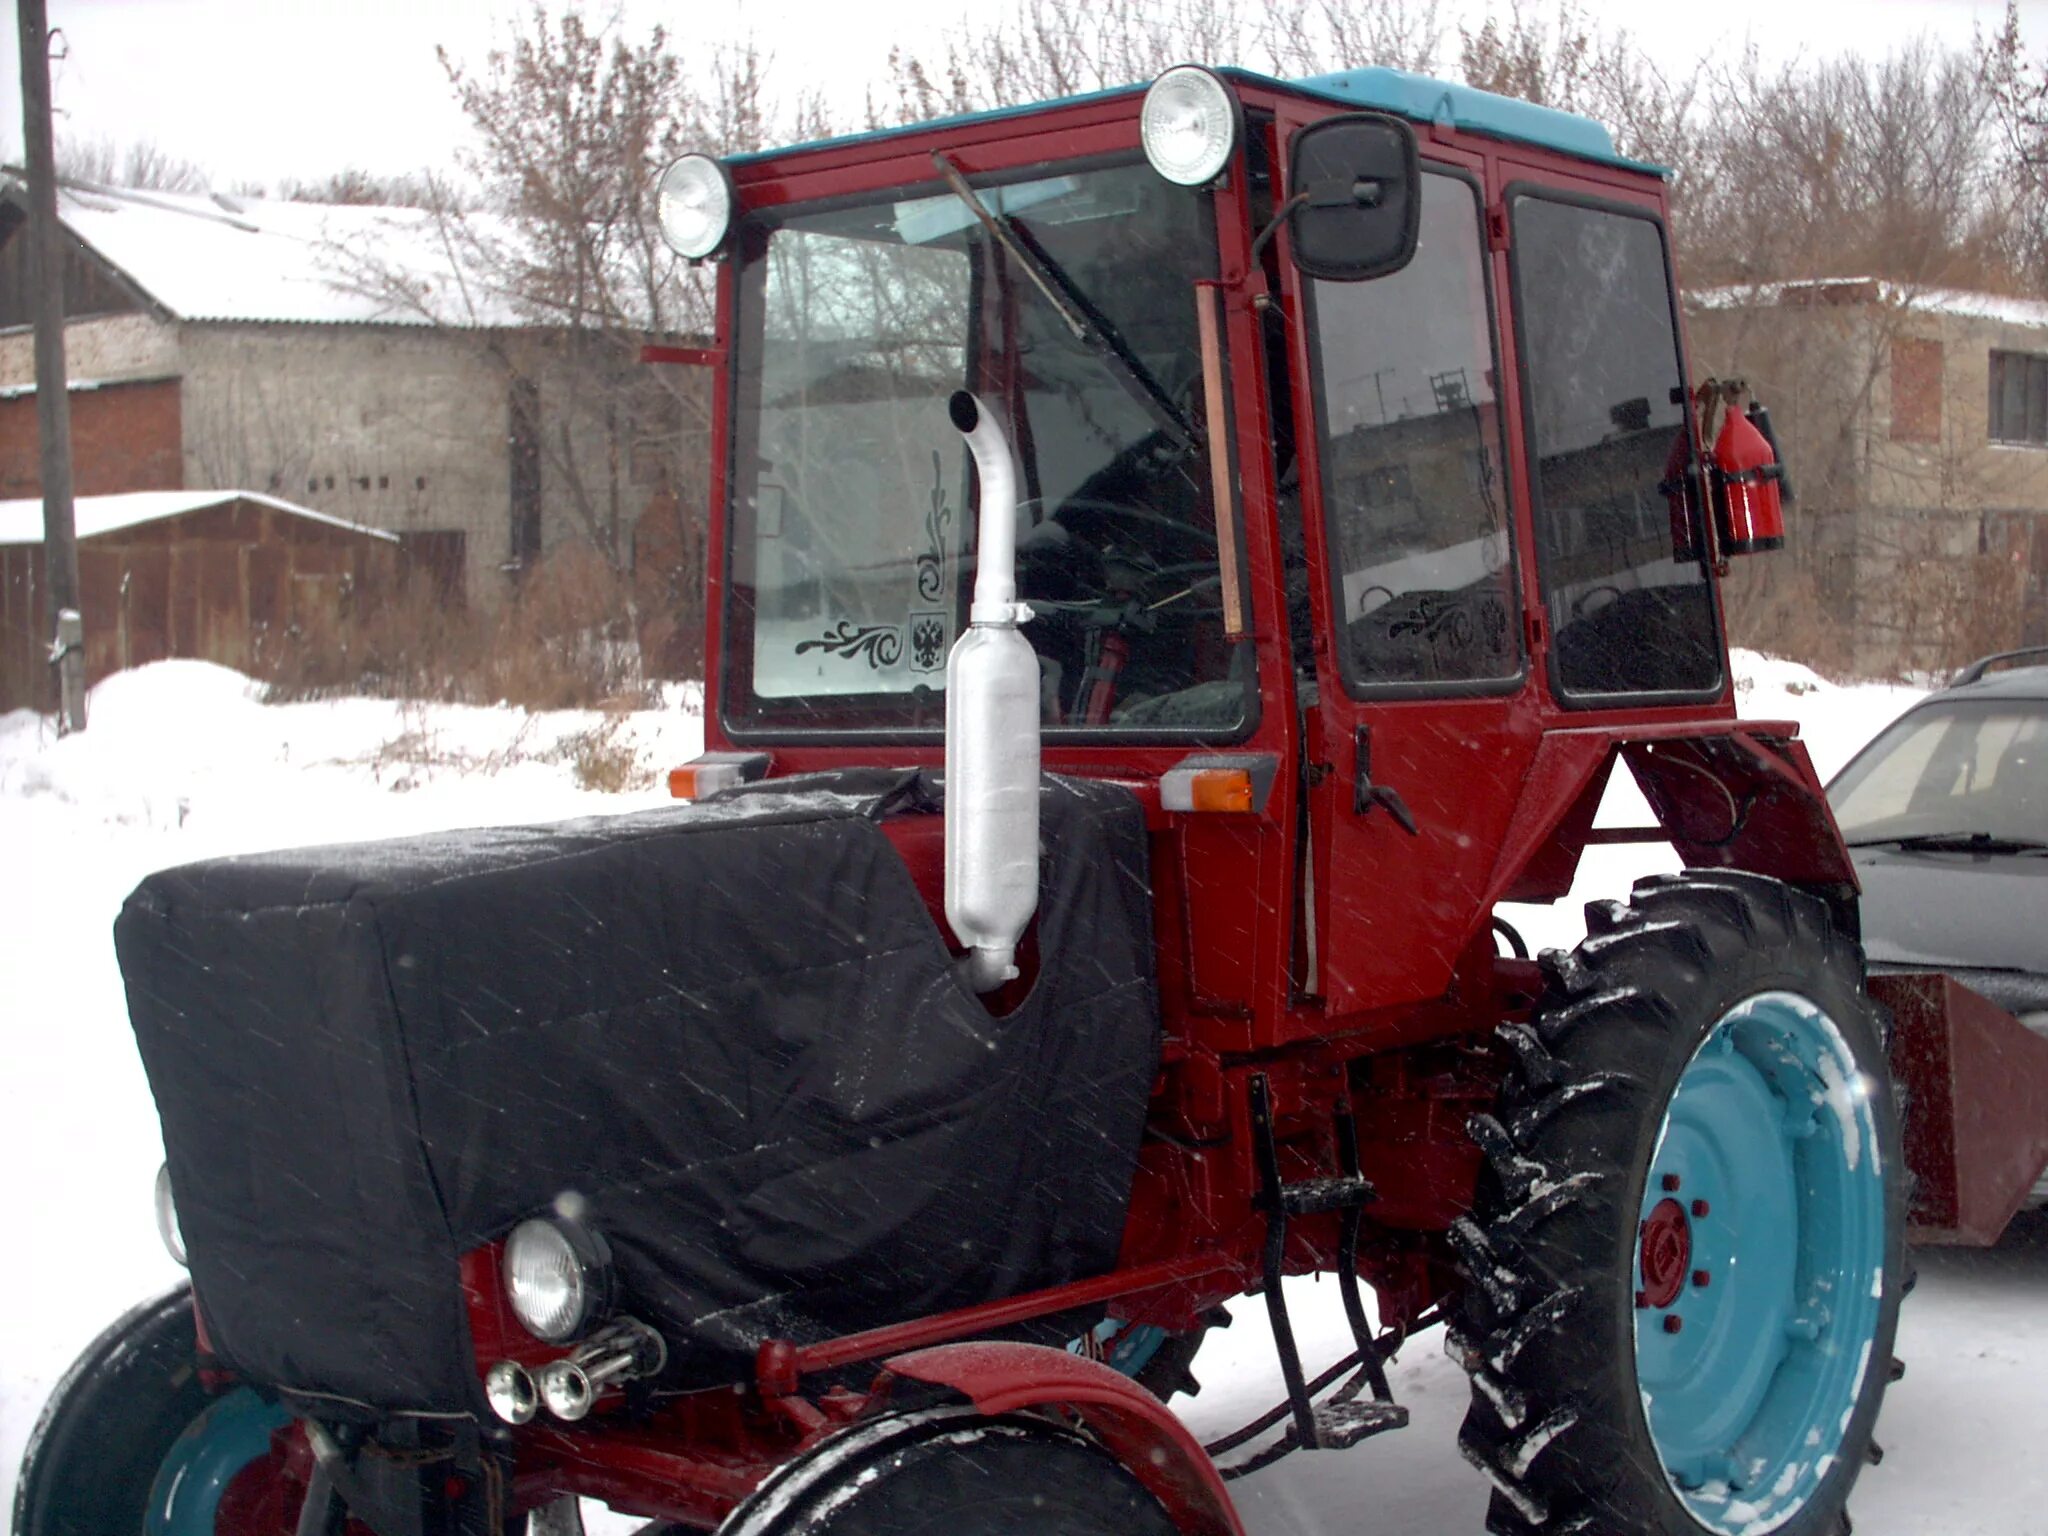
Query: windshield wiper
(1953, 842)
(1090, 328)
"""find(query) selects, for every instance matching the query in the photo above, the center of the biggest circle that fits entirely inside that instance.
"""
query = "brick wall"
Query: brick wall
(124, 437)
(1917, 389)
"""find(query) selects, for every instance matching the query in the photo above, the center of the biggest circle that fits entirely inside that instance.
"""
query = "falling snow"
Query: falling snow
(181, 763)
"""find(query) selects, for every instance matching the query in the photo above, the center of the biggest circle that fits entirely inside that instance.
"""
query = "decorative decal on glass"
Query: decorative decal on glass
(881, 645)
(931, 565)
(928, 645)
(1441, 616)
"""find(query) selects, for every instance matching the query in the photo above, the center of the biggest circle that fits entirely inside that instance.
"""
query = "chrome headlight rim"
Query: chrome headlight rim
(167, 1227)
(694, 202)
(1168, 100)
(579, 1256)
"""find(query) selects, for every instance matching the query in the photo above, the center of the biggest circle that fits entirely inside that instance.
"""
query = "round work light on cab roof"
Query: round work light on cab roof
(693, 205)
(1189, 125)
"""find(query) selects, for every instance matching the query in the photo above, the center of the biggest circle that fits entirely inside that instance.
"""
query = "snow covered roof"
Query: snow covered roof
(1961, 302)
(215, 257)
(21, 521)
(86, 386)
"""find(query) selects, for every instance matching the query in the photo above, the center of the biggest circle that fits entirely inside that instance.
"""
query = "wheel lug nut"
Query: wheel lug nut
(1670, 1183)
(1673, 1322)
(1700, 1208)
(1642, 1298)
(1702, 1278)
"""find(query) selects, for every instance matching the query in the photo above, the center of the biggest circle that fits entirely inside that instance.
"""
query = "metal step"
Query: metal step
(1311, 1197)
(1339, 1426)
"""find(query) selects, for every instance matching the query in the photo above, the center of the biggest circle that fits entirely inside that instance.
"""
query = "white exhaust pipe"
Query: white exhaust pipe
(992, 704)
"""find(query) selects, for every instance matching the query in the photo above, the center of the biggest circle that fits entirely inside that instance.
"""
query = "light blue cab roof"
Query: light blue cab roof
(1426, 100)
(1416, 97)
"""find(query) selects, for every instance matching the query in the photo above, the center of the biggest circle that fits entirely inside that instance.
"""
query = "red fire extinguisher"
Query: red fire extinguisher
(1748, 509)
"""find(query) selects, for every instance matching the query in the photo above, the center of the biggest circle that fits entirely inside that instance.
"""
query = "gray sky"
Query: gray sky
(256, 90)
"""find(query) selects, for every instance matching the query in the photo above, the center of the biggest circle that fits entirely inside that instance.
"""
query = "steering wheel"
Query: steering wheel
(1582, 605)
(1166, 540)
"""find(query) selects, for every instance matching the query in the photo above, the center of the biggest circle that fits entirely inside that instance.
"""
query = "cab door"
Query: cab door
(1422, 724)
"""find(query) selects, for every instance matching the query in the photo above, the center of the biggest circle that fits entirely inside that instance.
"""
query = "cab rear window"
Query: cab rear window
(1624, 576)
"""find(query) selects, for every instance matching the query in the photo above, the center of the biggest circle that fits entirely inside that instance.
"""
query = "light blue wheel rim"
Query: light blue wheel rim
(184, 1500)
(1769, 1146)
(1125, 1347)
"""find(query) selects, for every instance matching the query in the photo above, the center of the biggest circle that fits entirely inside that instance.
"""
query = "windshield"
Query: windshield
(852, 548)
(1950, 771)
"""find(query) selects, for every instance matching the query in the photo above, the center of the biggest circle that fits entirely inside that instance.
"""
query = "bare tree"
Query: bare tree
(549, 256)
(357, 188)
(1852, 166)
(143, 163)
(1041, 49)
(1568, 60)
(2017, 86)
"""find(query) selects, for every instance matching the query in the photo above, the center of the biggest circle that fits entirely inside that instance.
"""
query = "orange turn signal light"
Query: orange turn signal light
(714, 771)
(1207, 789)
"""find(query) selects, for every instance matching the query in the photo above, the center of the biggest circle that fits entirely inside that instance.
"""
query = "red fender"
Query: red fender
(1137, 1428)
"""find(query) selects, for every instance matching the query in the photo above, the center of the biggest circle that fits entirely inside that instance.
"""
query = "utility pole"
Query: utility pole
(53, 400)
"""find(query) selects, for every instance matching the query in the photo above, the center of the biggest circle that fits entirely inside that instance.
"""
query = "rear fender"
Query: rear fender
(1137, 1428)
(1976, 1082)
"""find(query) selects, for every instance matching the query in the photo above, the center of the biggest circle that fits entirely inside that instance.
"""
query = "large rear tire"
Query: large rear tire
(132, 1442)
(1687, 1258)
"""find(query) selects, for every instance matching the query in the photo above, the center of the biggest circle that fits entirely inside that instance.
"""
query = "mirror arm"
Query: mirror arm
(1280, 215)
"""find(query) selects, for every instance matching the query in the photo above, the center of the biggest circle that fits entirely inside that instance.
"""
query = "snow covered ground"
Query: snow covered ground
(181, 763)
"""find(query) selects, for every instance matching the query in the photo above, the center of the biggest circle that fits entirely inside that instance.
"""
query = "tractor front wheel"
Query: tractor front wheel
(133, 1444)
(950, 1474)
(1685, 1266)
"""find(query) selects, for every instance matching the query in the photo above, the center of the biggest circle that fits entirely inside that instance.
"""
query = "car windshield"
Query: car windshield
(852, 511)
(1950, 773)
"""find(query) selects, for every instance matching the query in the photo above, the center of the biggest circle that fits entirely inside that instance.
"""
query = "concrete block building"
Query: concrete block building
(335, 356)
(1915, 424)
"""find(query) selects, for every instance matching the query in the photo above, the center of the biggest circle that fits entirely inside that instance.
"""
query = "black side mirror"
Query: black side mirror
(1356, 197)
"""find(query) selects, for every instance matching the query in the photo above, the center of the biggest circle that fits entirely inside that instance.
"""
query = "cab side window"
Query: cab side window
(1413, 490)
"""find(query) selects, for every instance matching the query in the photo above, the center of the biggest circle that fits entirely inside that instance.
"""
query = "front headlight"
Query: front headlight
(558, 1276)
(693, 205)
(167, 1217)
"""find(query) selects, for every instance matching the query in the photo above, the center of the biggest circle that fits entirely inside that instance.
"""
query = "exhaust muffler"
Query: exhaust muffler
(992, 737)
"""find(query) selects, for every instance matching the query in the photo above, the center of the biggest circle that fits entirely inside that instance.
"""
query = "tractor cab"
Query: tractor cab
(1354, 456)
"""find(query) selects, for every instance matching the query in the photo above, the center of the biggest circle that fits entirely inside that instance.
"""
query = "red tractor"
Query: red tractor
(1183, 558)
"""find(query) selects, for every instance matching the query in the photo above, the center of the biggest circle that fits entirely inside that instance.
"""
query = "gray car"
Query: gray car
(1946, 816)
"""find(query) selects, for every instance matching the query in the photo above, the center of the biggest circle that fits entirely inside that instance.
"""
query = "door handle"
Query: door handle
(1365, 794)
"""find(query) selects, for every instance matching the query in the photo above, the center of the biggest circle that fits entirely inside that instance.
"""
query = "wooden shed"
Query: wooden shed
(219, 576)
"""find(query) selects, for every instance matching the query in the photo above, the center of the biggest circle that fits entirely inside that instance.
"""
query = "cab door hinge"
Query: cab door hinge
(1497, 227)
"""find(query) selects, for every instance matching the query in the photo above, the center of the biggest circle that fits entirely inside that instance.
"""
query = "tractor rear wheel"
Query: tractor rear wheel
(1686, 1261)
(959, 1475)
